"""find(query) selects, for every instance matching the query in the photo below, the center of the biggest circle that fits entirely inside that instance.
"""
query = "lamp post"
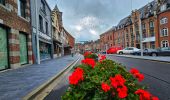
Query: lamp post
(141, 38)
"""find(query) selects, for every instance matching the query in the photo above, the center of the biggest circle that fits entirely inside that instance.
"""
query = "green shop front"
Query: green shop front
(3, 49)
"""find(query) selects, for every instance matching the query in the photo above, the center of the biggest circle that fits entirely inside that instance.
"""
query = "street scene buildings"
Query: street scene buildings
(30, 33)
(154, 25)
(47, 53)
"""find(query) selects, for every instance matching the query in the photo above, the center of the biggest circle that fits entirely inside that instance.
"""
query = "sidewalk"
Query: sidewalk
(15, 84)
(160, 59)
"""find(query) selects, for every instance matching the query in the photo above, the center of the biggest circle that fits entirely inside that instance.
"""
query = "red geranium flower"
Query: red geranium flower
(101, 58)
(118, 83)
(105, 87)
(122, 92)
(118, 80)
(76, 76)
(89, 61)
(87, 53)
(155, 98)
(134, 70)
(143, 95)
(139, 76)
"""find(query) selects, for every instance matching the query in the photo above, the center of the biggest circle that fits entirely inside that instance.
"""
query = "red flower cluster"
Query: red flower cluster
(102, 57)
(87, 53)
(118, 82)
(145, 95)
(89, 61)
(105, 87)
(76, 76)
(137, 74)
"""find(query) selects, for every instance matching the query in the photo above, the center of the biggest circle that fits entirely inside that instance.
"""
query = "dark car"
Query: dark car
(154, 52)
(146, 51)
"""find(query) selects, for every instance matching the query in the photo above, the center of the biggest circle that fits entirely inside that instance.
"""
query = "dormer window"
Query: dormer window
(163, 7)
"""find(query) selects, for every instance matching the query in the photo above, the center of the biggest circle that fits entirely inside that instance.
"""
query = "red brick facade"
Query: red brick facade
(107, 38)
(159, 37)
(15, 25)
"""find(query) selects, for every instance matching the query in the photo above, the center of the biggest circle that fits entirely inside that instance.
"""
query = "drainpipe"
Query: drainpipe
(37, 32)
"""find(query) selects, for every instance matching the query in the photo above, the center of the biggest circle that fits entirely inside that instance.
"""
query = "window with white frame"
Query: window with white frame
(22, 8)
(164, 43)
(164, 20)
(151, 23)
(164, 32)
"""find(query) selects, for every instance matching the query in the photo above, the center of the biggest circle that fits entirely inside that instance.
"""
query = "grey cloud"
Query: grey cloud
(109, 12)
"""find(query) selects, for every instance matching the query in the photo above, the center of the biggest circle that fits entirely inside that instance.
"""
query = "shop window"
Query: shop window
(41, 23)
(22, 8)
(2, 2)
(164, 43)
(164, 32)
(164, 20)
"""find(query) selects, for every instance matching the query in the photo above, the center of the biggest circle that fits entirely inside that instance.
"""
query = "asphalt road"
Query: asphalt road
(157, 74)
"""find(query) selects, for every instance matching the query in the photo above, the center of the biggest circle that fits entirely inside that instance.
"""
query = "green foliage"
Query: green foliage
(90, 87)
(92, 56)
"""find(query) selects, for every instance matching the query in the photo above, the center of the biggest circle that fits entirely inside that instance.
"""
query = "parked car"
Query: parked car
(146, 51)
(154, 52)
(113, 50)
(128, 50)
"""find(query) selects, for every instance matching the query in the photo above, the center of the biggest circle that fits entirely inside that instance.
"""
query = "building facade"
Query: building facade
(151, 22)
(57, 31)
(163, 24)
(41, 30)
(107, 39)
(15, 34)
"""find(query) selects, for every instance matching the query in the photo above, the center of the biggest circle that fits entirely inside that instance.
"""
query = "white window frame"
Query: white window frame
(163, 32)
(164, 20)
(166, 43)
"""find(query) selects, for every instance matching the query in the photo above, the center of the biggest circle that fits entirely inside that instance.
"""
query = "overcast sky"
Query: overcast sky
(87, 19)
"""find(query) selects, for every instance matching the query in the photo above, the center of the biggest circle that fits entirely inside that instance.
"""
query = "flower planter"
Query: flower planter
(105, 80)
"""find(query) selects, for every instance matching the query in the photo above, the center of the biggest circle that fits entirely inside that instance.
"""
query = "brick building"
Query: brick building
(163, 24)
(153, 19)
(107, 39)
(15, 34)
(68, 42)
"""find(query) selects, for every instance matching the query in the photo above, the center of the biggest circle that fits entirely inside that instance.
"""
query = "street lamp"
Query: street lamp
(141, 38)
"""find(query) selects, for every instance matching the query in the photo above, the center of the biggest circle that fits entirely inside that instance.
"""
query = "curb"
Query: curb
(36, 92)
(145, 59)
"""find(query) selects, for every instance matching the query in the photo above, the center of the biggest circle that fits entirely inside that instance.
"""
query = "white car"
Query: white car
(128, 50)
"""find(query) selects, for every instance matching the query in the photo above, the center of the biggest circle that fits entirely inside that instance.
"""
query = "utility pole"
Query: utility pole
(37, 32)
